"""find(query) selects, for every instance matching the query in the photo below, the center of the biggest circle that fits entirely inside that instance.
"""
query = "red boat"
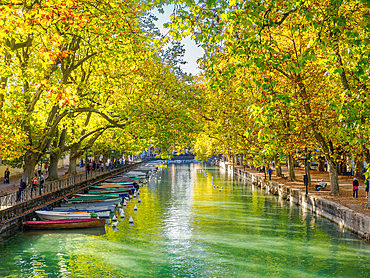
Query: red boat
(65, 224)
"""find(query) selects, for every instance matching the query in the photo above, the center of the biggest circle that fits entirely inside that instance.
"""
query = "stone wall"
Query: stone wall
(343, 216)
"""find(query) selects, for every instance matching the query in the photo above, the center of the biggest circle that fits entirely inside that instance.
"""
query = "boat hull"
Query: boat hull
(108, 202)
(64, 224)
(84, 207)
(56, 215)
(99, 213)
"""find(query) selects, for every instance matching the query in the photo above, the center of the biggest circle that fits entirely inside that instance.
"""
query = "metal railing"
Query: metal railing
(31, 192)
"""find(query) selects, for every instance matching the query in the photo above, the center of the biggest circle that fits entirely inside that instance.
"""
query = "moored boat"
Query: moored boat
(108, 202)
(99, 213)
(110, 191)
(65, 224)
(91, 197)
(95, 196)
(83, 206)
(55, 215)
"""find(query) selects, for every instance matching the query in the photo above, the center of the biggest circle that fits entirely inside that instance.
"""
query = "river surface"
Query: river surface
(184, 227)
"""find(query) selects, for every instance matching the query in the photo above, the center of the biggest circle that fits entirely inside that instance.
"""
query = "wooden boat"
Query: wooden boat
(55, 215)
(123, 186)
(110, 191)
(135, 174)
(65, 224)
(85, 207)
(108, 202)
(100, 213)
(91, 197)
(96, 195)
(109, 186)
(121, 179)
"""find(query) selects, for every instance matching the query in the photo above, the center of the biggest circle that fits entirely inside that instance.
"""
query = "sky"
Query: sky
(192, 52)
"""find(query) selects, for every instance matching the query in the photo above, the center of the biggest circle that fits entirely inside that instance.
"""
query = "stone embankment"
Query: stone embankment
(343, 216)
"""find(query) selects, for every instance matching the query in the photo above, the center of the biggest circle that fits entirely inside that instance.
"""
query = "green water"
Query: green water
(186, 228)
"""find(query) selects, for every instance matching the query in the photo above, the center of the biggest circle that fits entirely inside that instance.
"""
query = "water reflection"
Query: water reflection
(185, 227)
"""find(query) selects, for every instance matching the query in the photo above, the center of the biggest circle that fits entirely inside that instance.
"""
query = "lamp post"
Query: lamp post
(86, 163)
(111, 162)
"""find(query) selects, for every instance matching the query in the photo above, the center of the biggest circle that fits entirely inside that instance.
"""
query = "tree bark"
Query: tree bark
(333, 174)
(359, 168)
(53, 167)
(74, 154)
(72, 169)
(30, 161)
(291, 168)
(321, 164)
(277, 166)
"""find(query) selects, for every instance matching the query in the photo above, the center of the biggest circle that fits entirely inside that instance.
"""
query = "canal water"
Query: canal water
(184, 227)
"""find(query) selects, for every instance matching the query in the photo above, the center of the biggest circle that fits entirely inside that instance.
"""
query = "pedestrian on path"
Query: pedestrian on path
(367, 187)
(34, 184)
(6, 176)
(41, 183)
(269, 171)
(355, 187)
(39, 169)
(46, 166)
(88, 167)
(21, 187)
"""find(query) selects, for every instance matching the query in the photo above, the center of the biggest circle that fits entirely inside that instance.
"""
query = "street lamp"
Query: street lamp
(86, 164)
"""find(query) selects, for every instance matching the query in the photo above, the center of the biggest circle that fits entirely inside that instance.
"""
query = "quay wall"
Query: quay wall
(24, 211)
(343, 216)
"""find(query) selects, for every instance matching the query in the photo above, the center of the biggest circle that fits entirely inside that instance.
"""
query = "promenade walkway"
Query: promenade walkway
(12, 186)
(345, 185)
(9, 195)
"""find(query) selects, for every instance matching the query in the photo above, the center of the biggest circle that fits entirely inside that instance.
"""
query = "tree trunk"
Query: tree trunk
(30, 161)
(53, 167)
(359, 168)
(277, 166)
(321, 164)
(72, 169)
(333, 174)
(291, 168)
(307, 169)
(339, 168)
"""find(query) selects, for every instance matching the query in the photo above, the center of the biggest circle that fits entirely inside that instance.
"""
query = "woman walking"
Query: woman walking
(6, 176)
(355, 185)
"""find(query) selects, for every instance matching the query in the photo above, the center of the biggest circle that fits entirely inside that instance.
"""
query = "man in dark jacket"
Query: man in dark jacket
(21, 187)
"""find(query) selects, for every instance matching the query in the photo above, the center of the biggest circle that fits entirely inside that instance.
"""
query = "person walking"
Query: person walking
(269, 171)
(46, 166)
(367, 187)
(6, 176)
(21, 187)
(355, 185)
(41, 183)
(34, 185)
(88, 167)
(39, 169)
